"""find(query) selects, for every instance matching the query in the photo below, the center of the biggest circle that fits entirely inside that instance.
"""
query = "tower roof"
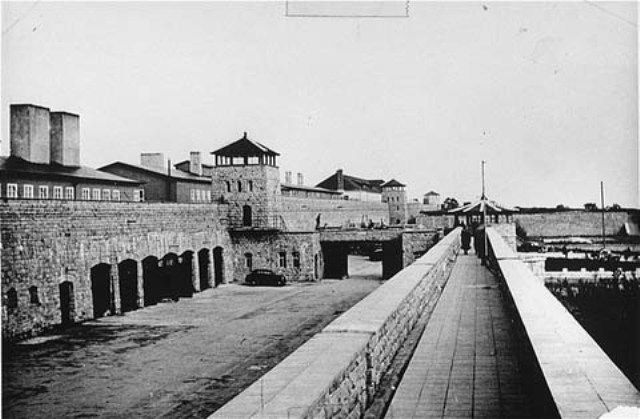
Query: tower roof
(244, 147)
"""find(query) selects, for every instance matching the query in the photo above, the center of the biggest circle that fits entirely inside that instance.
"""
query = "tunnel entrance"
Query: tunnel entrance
(101, 290)
(336, 256)
(128, 280)
(203, 264)
(67, 303)
(152, 281)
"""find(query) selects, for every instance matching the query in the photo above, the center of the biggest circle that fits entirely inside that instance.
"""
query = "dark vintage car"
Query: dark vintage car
(265, 277)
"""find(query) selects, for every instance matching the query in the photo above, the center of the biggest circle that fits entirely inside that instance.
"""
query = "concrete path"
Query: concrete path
(466, 364)
(183, 359)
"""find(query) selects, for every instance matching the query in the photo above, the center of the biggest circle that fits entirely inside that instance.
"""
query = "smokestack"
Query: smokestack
(340, 179)
(288, 178)
(152, 161)
(195, 163)
(300, 179)
(30, 133)
(65, 138)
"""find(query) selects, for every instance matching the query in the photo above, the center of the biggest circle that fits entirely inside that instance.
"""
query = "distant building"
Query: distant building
(353, 188)
(165, 184)
(195, 166)
(45, 161)
(394, 194)
(431, 201)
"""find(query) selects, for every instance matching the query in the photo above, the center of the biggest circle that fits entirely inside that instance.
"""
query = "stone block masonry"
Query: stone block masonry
(50, 247)
(337, 371)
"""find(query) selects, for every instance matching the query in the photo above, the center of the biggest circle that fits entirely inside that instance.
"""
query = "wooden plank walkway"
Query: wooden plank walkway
(466, 364)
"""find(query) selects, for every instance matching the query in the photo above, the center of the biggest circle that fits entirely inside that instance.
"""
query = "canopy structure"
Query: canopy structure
(475, 211)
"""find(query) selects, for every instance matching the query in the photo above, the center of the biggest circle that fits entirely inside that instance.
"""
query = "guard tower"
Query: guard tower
(394, 194)
(246, 176)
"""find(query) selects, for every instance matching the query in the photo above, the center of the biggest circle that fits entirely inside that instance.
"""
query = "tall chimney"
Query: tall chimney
(152, 161)
(195, 163)
(65, 138)
(300, 179)
(288, 178)
(30, 133)
(340, 179)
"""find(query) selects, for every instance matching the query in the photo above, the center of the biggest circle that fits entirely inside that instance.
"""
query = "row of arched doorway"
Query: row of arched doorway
(132, 284)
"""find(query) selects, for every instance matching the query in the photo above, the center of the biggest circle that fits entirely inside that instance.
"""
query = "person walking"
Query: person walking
(465, 237)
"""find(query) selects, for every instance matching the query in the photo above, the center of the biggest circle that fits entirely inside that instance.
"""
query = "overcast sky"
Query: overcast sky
(545, 92)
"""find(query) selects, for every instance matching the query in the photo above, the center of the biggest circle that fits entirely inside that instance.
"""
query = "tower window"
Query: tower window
(228, 186)
(296, 259)
(282, 259)
(12, 299)
(248, 259)
(250, 183)
(33, 295)
(239, 186)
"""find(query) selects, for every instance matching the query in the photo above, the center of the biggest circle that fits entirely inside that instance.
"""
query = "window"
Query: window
(95, 194)
(43, 192)
(136, 195)
(282, 262)
(27, 191)
(141, 194)
(106, 194)
(12, 298)
(248, 259)
(12, 190)
(86, 194)
(250, 186)
(228, 186)
(69, 193)
(198, 195)
(115, 194)
(33, 295)
(193, 195)
(208, 196)
(239, 186)
(296, 259)
(57, 192)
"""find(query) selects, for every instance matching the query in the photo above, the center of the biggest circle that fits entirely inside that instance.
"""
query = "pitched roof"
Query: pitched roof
(176, 174)
(392, 183)
(432, 193)
(20, 166)
(308, 188)
(352, 183)
(244, 147)
(188, 162)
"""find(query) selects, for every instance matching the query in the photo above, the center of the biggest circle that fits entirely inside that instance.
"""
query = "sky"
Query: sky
(546, 93)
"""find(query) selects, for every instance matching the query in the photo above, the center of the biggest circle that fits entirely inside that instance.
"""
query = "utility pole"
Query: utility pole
(483, 201)
(602, 207)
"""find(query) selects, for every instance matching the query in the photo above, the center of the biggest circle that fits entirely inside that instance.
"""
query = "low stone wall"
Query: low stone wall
(301, 214)
(581, 379)
(336, 373)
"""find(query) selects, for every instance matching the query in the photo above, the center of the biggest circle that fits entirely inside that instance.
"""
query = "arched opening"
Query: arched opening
(239, 186)
(34, 298)
(101, 290)
(128, 279)
(185, 275)
(67, 303)
(152, 283)
(203, 264)
(246, 216)
(248, 261)
(218, 266)
(170, 276)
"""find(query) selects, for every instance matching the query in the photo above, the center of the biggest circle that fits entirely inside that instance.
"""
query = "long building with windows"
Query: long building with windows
(45, 162)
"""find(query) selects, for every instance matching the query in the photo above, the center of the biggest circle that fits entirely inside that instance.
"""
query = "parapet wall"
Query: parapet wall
(45, 243)
(581, 378)
(336, 373)
(301, 214)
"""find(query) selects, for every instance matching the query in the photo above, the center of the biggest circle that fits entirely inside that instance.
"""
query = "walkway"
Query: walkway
(467, 361)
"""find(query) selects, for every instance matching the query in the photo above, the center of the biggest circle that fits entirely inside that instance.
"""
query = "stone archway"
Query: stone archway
(67, 303)
(218, 265)
(128, 280)
(101, 290)
(203, 263)
(185, 274)
(154, 287)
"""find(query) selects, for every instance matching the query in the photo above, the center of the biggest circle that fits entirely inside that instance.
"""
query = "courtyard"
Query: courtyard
(183, 359)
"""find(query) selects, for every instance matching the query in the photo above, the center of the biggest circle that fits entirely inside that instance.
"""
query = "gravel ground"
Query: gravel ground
(183, 359)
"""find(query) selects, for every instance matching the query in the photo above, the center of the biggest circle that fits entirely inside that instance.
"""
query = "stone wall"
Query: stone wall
(336, 373)
(45, 243)
(300, 214)
(265, 248)
(416, 243)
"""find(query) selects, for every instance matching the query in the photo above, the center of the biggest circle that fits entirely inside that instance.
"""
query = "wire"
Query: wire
(15, 22)
(597, 6)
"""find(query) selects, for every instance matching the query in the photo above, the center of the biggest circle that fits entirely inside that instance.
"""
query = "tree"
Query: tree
(591, 206)
(561, 207)
(615, 207)
(450, 203)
